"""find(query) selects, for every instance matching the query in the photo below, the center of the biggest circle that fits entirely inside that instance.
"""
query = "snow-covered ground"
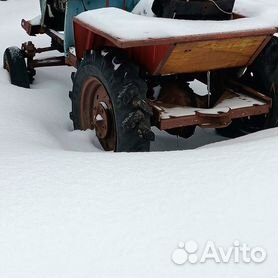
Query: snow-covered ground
(67, 209)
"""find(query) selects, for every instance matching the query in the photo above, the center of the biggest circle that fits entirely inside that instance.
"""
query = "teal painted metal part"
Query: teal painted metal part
(75, 7)
(43, 9)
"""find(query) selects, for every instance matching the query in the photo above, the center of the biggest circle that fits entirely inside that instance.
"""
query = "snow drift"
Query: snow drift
(67, 209)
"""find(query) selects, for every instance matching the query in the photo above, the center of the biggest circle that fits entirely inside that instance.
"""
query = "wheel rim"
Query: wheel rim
(96, 112)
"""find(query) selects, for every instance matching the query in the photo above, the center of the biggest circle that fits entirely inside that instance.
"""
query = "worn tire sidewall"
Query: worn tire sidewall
(114, 82)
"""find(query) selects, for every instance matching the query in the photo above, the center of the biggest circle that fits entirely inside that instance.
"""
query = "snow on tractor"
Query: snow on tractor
(136, 71)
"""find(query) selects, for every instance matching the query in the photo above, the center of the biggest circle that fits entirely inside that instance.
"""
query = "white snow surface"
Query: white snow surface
(116, 22)
(68, 209)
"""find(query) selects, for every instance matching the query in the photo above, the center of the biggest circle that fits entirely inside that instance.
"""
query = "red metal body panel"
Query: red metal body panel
(150, 57)
(151, 54)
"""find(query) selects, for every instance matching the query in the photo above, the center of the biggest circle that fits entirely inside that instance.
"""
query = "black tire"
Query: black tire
(262, 75)
(127, 111)
(14, 63)
(184, 132)
(241, 127)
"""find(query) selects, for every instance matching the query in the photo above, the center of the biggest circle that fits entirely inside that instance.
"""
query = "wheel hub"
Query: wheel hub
(101, 120)
(97, 112)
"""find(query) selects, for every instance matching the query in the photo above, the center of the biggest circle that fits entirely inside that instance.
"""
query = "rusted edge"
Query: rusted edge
(31, 29)
(222, 119)
(55, 36)
(49, 62)
(252, 92)
(210, 120)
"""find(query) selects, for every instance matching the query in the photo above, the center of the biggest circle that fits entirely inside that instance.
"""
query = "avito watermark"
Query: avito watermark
(238, 252)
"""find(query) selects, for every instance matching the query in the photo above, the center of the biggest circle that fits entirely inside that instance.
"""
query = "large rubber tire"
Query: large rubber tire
(128, 115)
(262, 75)
(14, 63)
(241, 127)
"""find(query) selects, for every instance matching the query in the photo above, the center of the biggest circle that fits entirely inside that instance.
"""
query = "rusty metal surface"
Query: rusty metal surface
(30, 52)
(57, 39)
(71, 60)
(49, 62)
(31, 29)
(96, 112)
(250, 91)
(211, 118)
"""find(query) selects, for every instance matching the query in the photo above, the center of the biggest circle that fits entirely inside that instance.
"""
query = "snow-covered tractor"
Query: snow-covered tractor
(136, 71)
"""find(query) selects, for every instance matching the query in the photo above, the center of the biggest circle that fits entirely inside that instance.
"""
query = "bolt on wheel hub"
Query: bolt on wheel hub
(101, 120)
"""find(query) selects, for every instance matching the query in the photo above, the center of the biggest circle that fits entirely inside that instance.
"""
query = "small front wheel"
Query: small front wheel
(14, 63)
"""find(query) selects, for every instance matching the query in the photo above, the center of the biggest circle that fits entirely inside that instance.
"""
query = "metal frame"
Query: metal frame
(205, 120)
(217, 119)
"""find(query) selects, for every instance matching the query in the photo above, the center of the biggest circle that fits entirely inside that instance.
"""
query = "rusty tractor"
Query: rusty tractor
(123, 87)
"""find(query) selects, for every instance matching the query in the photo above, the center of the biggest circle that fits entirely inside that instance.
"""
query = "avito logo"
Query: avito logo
(191, 252)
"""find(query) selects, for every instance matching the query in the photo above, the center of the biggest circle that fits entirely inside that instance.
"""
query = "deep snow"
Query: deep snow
(67, 209)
